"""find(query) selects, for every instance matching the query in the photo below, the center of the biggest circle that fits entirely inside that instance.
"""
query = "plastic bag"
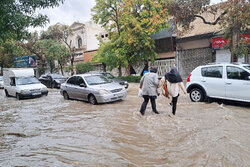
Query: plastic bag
(140, 93)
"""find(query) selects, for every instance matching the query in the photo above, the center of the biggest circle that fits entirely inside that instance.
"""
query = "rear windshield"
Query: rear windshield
(247, 67)
(27, 81)
(96, 80)
(57, 76)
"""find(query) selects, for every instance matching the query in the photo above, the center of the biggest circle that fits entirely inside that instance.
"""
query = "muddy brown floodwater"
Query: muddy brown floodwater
(50, 131)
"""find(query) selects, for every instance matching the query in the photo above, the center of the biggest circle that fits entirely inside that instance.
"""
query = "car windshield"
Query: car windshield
(27, 81)
(57, 76)
(1, 78)
(247, 67)
(96, 80)
(109, 76)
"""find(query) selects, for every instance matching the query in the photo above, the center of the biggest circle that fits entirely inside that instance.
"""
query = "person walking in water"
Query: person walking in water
(174, 81)
(149, 84)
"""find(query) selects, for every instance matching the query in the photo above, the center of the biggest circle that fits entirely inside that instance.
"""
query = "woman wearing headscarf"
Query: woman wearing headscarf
(149, 84)
(174, 81)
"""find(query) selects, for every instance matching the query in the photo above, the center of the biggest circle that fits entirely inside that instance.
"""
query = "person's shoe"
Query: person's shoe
(156, 112)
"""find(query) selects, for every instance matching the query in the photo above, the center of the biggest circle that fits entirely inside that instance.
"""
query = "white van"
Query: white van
(21, 83)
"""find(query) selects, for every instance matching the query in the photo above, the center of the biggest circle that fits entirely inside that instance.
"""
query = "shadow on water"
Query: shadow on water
(229, 102)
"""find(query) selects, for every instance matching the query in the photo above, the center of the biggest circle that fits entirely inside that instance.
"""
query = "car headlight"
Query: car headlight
(43, 89)
(103, 91)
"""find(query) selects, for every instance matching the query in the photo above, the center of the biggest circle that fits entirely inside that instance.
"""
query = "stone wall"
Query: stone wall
(163, 66)
(188, 60)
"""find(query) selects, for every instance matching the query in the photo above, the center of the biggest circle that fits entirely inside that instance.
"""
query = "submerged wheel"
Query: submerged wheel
(65, 95)
(53, 85)
(6, 93)
(18, 96)
(196, 95)
(92, 100)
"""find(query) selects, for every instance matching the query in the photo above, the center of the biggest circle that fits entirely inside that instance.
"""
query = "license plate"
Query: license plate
(36, 93)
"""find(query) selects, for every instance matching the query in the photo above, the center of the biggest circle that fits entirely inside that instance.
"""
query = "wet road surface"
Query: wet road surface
(50, 131)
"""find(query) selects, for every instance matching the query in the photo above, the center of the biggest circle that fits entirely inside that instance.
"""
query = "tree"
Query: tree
(61, 33)
(84, 67)
(8, 51)
(130, 25)
(233, 16)
(18, 15)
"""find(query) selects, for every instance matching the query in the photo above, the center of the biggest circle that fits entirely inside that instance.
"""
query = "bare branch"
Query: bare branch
(211, 23)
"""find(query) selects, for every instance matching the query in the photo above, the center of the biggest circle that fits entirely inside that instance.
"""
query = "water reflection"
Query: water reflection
(74, 133)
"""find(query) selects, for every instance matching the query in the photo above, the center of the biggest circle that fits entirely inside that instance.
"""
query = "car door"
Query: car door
(71, 87)
(82, 92)
(213, 81)
(237, 83)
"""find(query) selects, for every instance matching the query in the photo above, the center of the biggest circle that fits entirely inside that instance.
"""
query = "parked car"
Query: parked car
(21, 83)
(1, 81)
(93, 88)
(52, 80)
(229, 81)
(117, 80)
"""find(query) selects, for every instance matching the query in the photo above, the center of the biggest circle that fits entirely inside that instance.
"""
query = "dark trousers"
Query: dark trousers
(174, 103)
(145, 103)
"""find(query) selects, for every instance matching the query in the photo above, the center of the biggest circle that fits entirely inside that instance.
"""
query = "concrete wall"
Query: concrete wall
(200, 43)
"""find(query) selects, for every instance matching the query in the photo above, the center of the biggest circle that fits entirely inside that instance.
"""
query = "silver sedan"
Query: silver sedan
(92, 88)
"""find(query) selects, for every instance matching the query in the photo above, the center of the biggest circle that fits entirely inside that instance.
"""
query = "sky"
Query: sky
(73, 11)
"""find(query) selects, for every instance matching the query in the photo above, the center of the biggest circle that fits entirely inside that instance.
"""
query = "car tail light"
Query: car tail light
(188, 78)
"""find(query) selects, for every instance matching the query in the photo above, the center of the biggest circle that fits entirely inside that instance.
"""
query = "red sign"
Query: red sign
(220, 42)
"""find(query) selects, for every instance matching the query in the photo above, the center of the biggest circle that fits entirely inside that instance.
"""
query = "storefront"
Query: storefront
(222, 53)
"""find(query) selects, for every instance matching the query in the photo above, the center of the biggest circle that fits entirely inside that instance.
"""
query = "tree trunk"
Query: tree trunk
(120, 70)
(235, 42)
(72, 64)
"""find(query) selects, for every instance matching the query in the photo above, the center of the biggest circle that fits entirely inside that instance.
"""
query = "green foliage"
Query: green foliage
(130, 25)
(84, 67)
(18, 15)
(68, 68)
(10, 50)
(135, 79)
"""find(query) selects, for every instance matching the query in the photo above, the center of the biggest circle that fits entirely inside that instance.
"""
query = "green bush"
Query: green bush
(131, 78)
(84, 67)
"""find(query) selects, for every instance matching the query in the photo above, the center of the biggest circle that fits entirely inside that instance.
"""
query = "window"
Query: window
(247, 67)
(79, 81)
(214, 72)
(79, 43)
(72, 80)
(237, 73)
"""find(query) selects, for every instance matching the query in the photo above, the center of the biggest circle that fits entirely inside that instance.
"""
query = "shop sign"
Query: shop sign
(219, 42)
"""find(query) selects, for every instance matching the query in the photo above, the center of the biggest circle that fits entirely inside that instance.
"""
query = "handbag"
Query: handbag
(165, 90)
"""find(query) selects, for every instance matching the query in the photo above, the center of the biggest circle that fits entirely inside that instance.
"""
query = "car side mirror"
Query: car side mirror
(83, 85)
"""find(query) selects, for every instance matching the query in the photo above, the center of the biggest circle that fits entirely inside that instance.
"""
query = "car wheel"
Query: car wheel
(18, 96)
(65, 95)
(196, 95)
(53, 85)
(92, 100)
(6, 93)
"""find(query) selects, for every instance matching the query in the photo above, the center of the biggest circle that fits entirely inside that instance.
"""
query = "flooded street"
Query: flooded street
(50, 131)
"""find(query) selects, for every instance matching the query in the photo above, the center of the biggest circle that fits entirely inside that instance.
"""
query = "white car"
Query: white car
(229, 81)
(1, 82)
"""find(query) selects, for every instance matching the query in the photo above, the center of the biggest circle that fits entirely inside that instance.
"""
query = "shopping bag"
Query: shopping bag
(140, 93)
